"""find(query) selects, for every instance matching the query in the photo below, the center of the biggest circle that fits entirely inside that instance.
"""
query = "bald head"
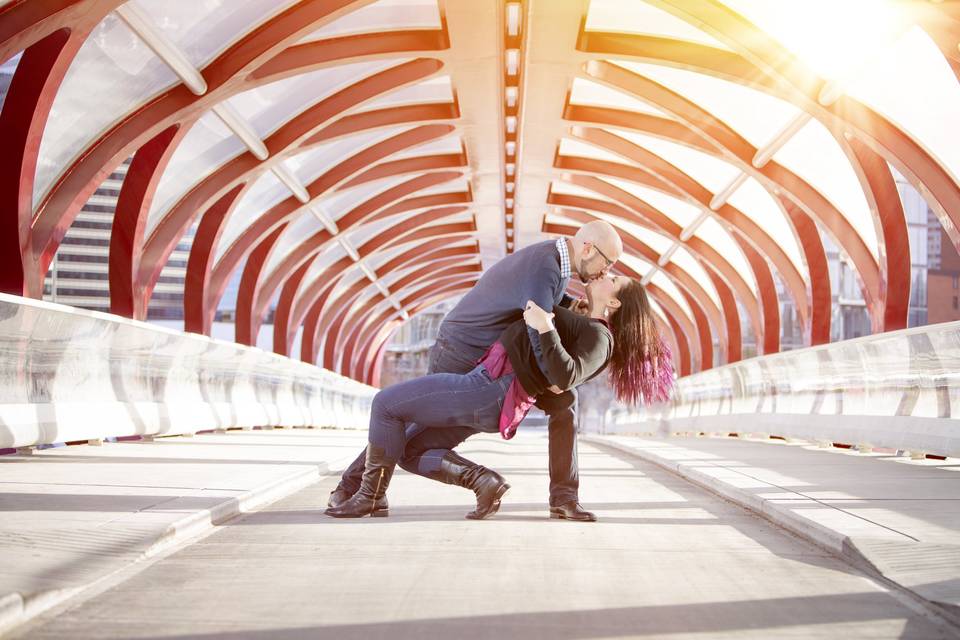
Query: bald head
(602, 235)
(596, 247)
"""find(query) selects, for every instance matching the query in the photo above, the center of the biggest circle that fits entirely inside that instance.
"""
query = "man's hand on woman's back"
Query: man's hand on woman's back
(579, 306)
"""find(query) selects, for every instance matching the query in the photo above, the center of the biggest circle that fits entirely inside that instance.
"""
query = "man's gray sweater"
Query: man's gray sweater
(499, 297)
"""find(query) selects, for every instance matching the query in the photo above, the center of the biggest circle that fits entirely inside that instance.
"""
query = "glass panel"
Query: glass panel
(757, 203)
(265, 192)
(295, 234)
(394, 277)
(712, 173)
(711, 232)
(585, 92)
(915, 208)
(449, 144)
(686, 261)
(377, 260)
(834, 38)
(354, 276)
(269, 106)
(372, 293)
(453, 186)
(349, 277)
(557, 217)
(791, 331)
(657, 309)
(565, 188)
(815, 156)
(7, 69)
(207, 146)
(114, 72)
(570, 147)
(309, 165)
(656, 241)
(338, 203)
(227, 307)
(384, 15)
(366, 232)
(359, 236)
(436, 89)
(683, 213)
(662, 281)
(201, 29)
(191, 380)
(331, 253)
(876, 376)
(640, 17)
(756, 116)
(912, 84)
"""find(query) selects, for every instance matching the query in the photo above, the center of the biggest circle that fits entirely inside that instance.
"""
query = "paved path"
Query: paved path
(890, 514)
(73, 516)
(667, 559)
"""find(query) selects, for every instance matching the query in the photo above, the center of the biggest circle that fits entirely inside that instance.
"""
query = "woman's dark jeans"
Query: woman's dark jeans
(426, 446)
(441, 400)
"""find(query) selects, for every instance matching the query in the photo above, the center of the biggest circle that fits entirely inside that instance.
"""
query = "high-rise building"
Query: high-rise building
(79, 274)
(943, 280)
(849, 314)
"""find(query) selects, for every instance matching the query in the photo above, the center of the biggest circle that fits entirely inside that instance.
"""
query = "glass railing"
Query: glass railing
(897, 390)
(68, 374)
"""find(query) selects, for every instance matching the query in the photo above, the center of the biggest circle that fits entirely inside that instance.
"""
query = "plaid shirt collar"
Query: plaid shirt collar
(564, 258)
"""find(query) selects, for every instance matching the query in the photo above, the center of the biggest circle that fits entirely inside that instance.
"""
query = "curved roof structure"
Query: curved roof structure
(357, 161)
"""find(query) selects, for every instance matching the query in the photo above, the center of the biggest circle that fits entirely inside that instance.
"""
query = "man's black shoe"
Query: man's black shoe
(572, 511)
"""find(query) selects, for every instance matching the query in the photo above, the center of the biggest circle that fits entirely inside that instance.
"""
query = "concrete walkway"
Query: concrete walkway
(889, 514)
(667, 559)
(71, 517)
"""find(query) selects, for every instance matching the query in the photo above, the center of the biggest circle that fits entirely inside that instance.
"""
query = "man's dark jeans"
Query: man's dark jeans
(426, 446)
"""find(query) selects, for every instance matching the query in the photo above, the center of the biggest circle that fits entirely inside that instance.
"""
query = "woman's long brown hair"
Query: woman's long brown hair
(642, 365)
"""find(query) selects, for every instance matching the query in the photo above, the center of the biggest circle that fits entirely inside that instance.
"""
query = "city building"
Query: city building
(79, 273)
(943, 282)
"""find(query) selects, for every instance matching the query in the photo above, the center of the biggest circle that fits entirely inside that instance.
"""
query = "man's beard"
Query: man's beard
(584, 278)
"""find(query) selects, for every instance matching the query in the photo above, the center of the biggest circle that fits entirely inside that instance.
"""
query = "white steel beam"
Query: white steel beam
(172, 56)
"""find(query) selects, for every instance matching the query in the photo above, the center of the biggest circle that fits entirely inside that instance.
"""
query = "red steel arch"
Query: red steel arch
(51, 33)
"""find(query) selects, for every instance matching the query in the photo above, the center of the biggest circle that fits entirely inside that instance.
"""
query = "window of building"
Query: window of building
(956, 302)
(956, 281)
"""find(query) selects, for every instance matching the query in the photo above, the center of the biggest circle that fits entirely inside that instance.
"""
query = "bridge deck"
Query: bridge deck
(666, 559)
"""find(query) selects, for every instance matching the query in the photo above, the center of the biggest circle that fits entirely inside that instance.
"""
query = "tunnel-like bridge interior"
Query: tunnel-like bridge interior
(216, 218)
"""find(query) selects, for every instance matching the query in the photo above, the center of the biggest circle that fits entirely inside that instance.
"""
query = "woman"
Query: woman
(618, 330)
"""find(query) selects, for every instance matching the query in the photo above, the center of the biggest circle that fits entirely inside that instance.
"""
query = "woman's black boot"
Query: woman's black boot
(488, 485)
(350, 482)
(340, 495)
(370, 499)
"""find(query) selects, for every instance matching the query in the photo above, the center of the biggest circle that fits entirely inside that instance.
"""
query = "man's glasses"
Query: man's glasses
(604, 256)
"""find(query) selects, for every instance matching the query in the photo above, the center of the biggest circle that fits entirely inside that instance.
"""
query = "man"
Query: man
(540, 272)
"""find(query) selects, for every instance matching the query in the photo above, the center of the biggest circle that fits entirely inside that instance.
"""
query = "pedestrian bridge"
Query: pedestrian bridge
(214, 215)
(159, 484)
